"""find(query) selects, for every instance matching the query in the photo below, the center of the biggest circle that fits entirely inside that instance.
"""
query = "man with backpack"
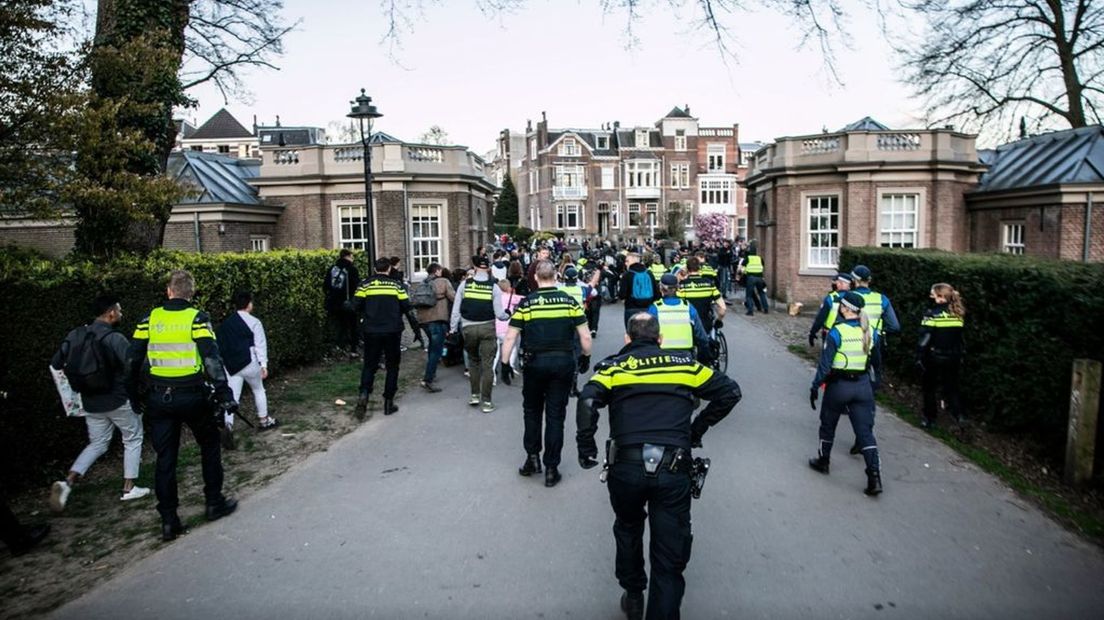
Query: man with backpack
(93, 358)
(637, 287)
(244, 349)
(340, 284)
(431, 298)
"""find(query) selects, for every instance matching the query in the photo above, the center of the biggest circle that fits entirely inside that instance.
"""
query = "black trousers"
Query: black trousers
(854, 399)
(167, 410)
(375, 347)
(345, 328)
(593, 313)
(545, 390)
(941, 373)
(664, 501)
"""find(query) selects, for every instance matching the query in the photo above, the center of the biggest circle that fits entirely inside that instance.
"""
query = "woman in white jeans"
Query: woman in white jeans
(244, 349)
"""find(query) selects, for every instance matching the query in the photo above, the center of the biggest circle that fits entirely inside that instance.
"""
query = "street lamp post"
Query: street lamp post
(364, 113)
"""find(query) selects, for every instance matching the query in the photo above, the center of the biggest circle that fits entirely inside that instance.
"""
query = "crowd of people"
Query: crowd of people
(515, 309)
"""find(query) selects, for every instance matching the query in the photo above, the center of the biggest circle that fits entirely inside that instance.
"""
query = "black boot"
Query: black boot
(632, 603)
(389, 406)
(855, 449)
(361, 407)
(171, 529)
(552, 477)
(218, 511)
(873, 482)
(820, 464)
(532, 465)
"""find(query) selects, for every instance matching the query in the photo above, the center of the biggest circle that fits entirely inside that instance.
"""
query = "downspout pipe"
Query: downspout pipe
(195, 225)
(1086, 242)
(407, 237)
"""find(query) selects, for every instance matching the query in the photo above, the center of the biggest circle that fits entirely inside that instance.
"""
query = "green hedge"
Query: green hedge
(44, 299)
(1027, 319)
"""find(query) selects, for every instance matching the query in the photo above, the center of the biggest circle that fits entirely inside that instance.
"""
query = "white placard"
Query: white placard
(70, 400)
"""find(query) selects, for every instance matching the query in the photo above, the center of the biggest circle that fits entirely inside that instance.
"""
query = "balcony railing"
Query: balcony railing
(858, 147)
(569, 191)
(348, 159)
(641, 192)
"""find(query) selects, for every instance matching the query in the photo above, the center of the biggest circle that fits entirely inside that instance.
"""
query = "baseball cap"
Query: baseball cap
(844, 276)
(861, 272)
(571, 273)
(481, 261)
(668, 279)
(853, 300)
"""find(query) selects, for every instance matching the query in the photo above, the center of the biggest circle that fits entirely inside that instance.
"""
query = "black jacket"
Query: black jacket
(626, 287)
(647, 412)
(113, 346)
(335, 298)
(213, 373)
(383, 302)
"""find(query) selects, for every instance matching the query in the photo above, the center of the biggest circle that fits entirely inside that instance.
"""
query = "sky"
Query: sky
(474, 74)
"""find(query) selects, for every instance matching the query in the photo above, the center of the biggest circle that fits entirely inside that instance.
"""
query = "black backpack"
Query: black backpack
(85, 364)
(338, 277)
(235, 341)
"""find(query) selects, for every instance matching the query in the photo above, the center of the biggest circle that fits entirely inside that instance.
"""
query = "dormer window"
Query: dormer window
(602, 142)
(569, 147)
(641, 138)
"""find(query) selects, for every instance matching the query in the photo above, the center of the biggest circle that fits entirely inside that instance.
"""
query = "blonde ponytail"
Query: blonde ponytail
(864, 323)
(953, 297)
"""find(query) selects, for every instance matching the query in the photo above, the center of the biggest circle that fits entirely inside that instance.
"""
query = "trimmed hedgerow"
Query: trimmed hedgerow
(1027, 319)
(44, 299)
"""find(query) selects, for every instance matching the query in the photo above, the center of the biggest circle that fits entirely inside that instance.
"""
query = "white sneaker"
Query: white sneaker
(488, 407)
(135, 493)
(59, 495)
(474, 400)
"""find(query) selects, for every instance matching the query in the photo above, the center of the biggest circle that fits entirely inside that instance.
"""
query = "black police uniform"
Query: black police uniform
(382, 302)
(172, 402)
(939, 358)
(650, 392)
(549, 321)
(702, 293)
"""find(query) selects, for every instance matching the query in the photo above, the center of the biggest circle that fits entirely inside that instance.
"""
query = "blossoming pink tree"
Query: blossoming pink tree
(710, 227)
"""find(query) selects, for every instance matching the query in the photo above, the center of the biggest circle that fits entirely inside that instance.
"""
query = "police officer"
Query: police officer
(547, 322)
(382, 303)
(651, 393)
(883, 319)
(829, 308)
(173, 353)
(679, 323)
(700, 291)
(656, 268)
(705, 270)
(939, 351)
(844, 370)
(754, 286)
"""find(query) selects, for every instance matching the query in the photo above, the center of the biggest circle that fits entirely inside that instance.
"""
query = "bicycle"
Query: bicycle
(719, 345)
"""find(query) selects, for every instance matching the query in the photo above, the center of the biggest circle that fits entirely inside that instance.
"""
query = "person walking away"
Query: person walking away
(516, 275)
(547, 321)
(174, 353)
(679, 323)
(828, 313)
(754, 287)
(724, 267)
(580, 293)
(592, 301)
(499, 265)
(883, 319)
(382, 302)
(656, 267)
(637, 288)
(397, 273)
(652, 393)
(510, 301)
(244, 350)
(339, 285)
(844, 371)
(431, 299)
(543, 253)
(93, 358)
(699, 291)
(478, 304)
(939, 352)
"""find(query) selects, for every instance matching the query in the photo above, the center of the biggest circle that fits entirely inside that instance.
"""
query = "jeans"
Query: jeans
(251, 374)
(854, 399)
(376, 346)
(101, 428)
(754, 293)
(664, 501)
(168, 409)
(545, 392)
(436, 344)
(481, 343)
(724, 275)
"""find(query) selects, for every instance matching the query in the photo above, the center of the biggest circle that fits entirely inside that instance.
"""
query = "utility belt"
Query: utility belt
(529, 356)
(847, 376)
(654, 458)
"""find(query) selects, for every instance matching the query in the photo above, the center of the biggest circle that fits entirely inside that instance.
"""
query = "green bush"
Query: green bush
(1027, 319)
(521, 234)
(44, 299)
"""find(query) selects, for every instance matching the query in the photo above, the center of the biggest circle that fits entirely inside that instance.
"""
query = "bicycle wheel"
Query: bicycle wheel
(722, 353)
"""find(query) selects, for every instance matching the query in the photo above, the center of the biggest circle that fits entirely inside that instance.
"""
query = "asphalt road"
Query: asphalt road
(422, 514)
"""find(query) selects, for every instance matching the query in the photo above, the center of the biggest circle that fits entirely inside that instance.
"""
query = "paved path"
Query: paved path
(423, 515)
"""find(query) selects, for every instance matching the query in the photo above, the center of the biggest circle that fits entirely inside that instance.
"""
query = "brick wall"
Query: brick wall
(235, 238)
(1055, 231)
(54, 241)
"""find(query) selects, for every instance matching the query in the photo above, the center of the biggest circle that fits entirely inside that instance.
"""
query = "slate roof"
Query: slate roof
(865, 124)
(1061, 157)
(221, 126)
(677, 112)
(289, 136)
(215, 178)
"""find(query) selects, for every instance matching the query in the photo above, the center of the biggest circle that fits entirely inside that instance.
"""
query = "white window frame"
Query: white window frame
(716, 192)
(570, 175)
(1012, 237)
(534, 181)
(715, 157)
(741, 227)
(601, 143)
(634, 209)
(680, 175)
(533, 149)
(418, 208)
(345, 234)
(564, 213)
(609, 177)
(258, 243)
(642, 138)
(642, 173)
(615, 215)
(825, 253)
(569, 147)
(680, 139)
(651, 215)
(894, 205)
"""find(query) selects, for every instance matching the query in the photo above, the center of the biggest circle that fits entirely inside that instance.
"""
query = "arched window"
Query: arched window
(763, 217)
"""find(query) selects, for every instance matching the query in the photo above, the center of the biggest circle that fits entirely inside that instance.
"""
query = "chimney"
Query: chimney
(616, 125)
(277, 120)
(544, 117)
(688, 108)
(528, 125)
(254, 124)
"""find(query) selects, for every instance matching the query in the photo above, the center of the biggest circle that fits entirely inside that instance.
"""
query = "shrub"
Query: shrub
(1027, 319)
(521, 234)
(45, 299)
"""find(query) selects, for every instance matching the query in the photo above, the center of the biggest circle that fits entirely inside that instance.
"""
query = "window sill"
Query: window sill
(818, 271)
